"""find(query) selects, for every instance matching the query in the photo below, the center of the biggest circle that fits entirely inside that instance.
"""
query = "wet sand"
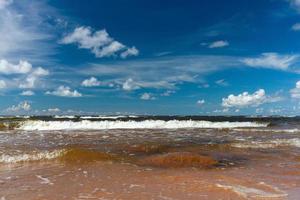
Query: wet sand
(151, 164)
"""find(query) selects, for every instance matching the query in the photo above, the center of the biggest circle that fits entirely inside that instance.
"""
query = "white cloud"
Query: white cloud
(129, 85)
(161, 72)
(245, 99)
(222, 82)
(91, 82)
(295, 92)
(147, 96)
(33, 77)
(296, 27)
(109, 50)
(64, 91)
(130, 52)
(22, 106)
(167, 93)
(219, 44)
(99, 42)
(295, 4)
(272, 61)
(33, 74)
(259, 110)
(53, 110)
(201, 102)
(2, 84)
(25, 31)
(27, 93)
(23, 67)
(5, 3)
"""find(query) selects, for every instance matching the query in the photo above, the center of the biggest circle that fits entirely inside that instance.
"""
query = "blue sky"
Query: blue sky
(210, 57)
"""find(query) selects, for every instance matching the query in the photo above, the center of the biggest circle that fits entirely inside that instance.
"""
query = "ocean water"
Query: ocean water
(149, 157)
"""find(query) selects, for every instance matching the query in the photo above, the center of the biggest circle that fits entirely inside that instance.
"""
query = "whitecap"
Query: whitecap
(25, 157)
(147, 124)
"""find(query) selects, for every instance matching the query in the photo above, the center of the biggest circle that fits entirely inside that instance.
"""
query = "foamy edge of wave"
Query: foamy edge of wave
(147, 124)
(269, 144)
(26, 157)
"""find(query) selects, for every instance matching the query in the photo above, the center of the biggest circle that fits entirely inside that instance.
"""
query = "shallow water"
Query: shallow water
(188, 163)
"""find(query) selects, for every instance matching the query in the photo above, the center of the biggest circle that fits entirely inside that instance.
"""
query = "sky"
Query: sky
(171, 57)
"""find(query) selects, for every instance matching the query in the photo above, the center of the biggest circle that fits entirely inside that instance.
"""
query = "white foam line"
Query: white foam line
(44, 180)
(147, 124)
(269, 144)
(4, 158)
(247, 192)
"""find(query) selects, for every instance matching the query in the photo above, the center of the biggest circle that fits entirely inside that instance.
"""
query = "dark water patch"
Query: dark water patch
(178, 160)
(81, 155)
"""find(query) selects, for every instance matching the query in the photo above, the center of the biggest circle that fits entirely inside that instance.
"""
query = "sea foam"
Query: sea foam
(147, 124)
(26, 157)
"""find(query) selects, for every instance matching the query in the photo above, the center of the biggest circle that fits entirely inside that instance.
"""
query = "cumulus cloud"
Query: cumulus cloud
(91, 82)
(295, 92)
(2, 84)
(296, 27)
(23, 67)
(245, 99)
(272, 61)
(129, 85)
(99, 42)
(201, 102)
(218, 44)
(147, 96)
(130, 52)
(33, 77)
(64, 91)
(33, 74)
(27, 93)
(22, 106)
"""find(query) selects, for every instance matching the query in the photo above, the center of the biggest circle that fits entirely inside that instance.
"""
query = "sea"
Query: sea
(149, 157)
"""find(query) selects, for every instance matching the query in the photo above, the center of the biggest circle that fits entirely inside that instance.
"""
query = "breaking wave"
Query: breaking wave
(27, 157)
(295, 142)
(146, 124)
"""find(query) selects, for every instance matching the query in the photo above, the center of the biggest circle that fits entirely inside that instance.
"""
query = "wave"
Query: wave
(147, 124)
(63, 155)
(295, 142)
(294, 130)
(26, 157)
(108, 117)
(64, 117)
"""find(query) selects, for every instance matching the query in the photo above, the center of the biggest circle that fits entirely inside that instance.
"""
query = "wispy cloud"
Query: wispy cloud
(162, 72)
(25, 34)
(296, 27)
(272, 61)
(27, 93)
(295, 4)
